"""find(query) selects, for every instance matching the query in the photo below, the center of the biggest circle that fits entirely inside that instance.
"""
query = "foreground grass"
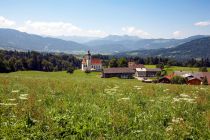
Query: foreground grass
(57, 105)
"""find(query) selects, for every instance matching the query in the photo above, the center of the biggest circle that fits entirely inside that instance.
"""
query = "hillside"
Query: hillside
(198, 48)
(115, 43)
(15, 40)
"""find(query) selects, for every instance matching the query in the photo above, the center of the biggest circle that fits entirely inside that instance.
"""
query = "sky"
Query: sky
(99, 18)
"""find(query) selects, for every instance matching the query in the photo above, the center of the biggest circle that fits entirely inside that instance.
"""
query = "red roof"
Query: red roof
(170, 76)
(96, 61)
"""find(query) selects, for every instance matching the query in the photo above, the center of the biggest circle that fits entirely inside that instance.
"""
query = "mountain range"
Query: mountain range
(11, 39)
(197, 48)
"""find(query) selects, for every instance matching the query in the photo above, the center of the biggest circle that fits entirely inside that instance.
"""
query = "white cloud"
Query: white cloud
(6, 22)
(58, 29)
(177, 34)
(134, 31)
(202, 23)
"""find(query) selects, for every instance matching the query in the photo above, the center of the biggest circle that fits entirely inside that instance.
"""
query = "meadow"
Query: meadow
(57, 105)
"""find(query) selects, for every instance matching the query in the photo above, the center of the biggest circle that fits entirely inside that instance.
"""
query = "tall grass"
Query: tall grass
(58, 105)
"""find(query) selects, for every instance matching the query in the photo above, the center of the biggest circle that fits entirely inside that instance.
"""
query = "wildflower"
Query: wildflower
(23, 96)
(177, 120)
(11, 99)
(169, 128)
(15, 91)
(165, 90)
(152, 100)
(8, 104)
(184, 95)
(124, 99)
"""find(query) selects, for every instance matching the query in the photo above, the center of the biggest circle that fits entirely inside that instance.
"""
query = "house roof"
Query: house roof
(118, 70)
(154, 69)
(95, 61)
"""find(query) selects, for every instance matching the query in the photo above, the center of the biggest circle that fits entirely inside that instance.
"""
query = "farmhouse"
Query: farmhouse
(193, 78)
(146, 72)
(91, 64)
(122, 72)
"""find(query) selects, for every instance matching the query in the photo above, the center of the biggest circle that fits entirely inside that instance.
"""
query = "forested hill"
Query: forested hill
(198, 48)
(13, 61)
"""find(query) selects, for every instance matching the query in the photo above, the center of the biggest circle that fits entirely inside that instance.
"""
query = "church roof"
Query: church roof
(95, 61)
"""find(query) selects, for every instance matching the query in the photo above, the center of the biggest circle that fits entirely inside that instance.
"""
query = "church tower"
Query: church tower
(88, 60)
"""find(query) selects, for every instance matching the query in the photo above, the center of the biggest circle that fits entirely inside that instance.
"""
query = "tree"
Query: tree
(18, 65)
(205, 81)
(47, 66)
(203, 69)
(178, 80)
(122, 62)
(160, 65)
(113, 63)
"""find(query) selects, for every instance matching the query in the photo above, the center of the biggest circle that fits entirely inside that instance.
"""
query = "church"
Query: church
(91, 64)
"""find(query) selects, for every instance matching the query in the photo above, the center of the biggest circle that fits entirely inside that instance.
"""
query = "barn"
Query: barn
(124, 72)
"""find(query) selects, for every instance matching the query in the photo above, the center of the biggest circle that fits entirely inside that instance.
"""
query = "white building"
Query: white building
(91, 64)
(146, 72)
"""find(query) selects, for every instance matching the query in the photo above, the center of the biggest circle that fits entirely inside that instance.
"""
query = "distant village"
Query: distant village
(140, 72)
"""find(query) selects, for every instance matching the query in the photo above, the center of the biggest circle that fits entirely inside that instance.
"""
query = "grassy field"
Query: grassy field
(177, 68)
(57, 105)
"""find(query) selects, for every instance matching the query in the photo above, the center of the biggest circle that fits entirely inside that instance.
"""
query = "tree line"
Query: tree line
(11, 61)
(111, 61)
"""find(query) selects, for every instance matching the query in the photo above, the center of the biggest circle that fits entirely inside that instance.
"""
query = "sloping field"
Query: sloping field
(57, 105)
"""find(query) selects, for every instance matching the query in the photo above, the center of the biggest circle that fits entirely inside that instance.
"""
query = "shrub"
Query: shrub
(203, 69)
(87, 71)
(70, 70)
(178, 80)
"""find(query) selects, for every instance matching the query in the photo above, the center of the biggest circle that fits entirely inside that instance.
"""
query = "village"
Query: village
(144, 74)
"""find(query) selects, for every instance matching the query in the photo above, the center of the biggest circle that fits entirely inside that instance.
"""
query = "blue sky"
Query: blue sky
(144, 18)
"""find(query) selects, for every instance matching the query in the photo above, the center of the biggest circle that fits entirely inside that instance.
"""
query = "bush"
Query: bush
(87, 71)
(70, 70)
(203, 69)
(178, 80)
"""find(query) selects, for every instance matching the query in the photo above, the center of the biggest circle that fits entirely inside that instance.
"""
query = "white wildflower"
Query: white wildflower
(15, 91)
(152, 100)
(11, 99)
(124, 99)
(177, 120)
(23, 96)
(8, 104)
(169, 128)
(184, 95)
